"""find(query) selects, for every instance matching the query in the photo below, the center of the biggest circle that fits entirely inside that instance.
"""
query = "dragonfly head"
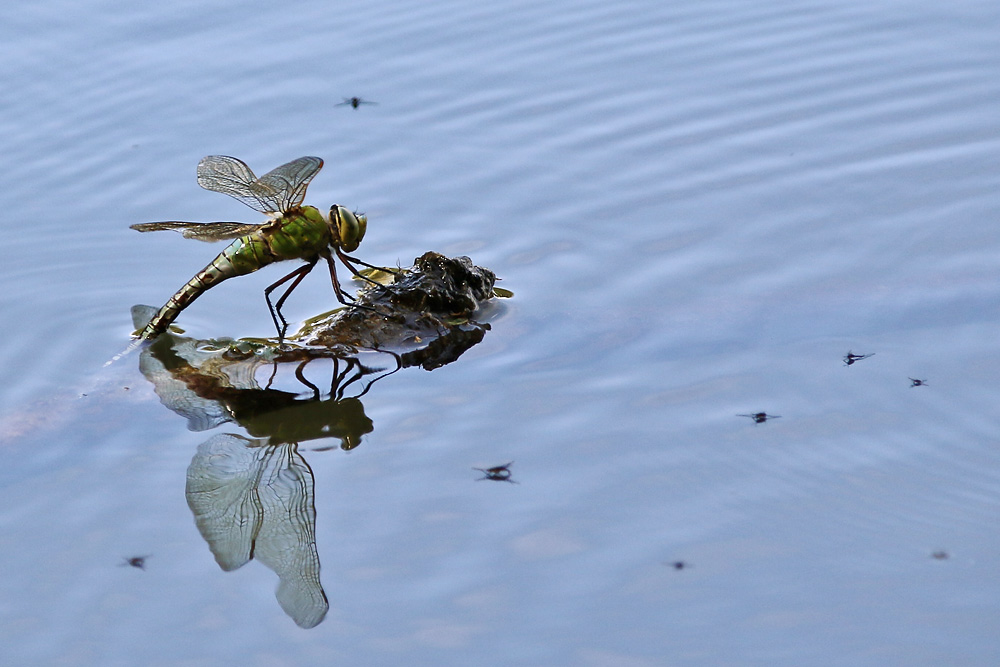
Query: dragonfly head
(349, 227)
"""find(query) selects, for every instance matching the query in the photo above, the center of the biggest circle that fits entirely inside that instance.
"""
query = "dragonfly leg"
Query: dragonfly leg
(370, 266)
(300, 376)
(347, 262)
(399, 365)
(340, 292)
(336, 282)
(274, 374)
(298, 274)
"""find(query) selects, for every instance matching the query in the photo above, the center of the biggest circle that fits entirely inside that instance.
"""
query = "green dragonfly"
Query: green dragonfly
(292, 231)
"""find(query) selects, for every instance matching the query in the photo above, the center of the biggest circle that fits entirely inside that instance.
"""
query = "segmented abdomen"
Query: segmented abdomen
(242, 256)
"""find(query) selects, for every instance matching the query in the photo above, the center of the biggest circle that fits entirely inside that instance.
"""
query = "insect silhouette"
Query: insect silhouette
(354, 102)
(135, 561)
(760, 417)
(850, 357)
(497, 473)
(914, 382)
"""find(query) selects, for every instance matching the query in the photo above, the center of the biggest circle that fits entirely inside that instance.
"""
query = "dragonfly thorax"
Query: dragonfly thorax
(347, 228)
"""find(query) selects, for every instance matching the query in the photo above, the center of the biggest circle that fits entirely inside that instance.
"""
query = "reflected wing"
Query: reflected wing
(202, 231)
(277, 191)
(254, 500)
(286, 541)
(221, 490)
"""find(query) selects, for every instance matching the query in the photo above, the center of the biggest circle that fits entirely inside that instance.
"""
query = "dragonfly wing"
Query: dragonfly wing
(277, 191)
(203, 231)
(230, 176)
(221, 231)
(286, 185)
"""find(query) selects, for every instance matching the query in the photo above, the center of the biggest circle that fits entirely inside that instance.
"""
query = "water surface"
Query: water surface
(701, 208)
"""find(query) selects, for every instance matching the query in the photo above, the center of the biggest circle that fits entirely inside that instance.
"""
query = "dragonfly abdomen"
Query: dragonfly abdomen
(244, 255)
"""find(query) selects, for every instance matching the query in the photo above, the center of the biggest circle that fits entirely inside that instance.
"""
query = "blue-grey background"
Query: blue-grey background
(700, 207)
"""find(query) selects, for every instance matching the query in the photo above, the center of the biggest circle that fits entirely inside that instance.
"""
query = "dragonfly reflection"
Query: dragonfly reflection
(252, 496)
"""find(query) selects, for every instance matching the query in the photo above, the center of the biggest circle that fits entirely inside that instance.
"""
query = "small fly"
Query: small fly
(497, 473)
(135, 561)
(760, 417)
(354, 102)
(850, 357)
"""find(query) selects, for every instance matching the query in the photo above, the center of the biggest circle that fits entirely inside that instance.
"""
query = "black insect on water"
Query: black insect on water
(760, 417)
(135, 561)
(354, 102)
(850, 357)
(497, 473)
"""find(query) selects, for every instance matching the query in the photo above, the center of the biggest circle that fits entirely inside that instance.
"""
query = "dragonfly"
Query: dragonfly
(292, 231)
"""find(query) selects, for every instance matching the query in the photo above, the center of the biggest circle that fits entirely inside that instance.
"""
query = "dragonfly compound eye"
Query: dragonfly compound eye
(350, 228)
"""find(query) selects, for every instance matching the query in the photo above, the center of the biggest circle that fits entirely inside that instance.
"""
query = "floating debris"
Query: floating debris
(850, 357)
(760, 417)
(437, 295)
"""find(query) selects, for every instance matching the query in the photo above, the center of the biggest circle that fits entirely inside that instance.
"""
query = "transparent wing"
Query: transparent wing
(253, 500)
(202, 231)
(277, 191)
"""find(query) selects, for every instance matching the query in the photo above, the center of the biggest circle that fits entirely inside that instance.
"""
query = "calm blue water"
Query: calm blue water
(700, 207)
